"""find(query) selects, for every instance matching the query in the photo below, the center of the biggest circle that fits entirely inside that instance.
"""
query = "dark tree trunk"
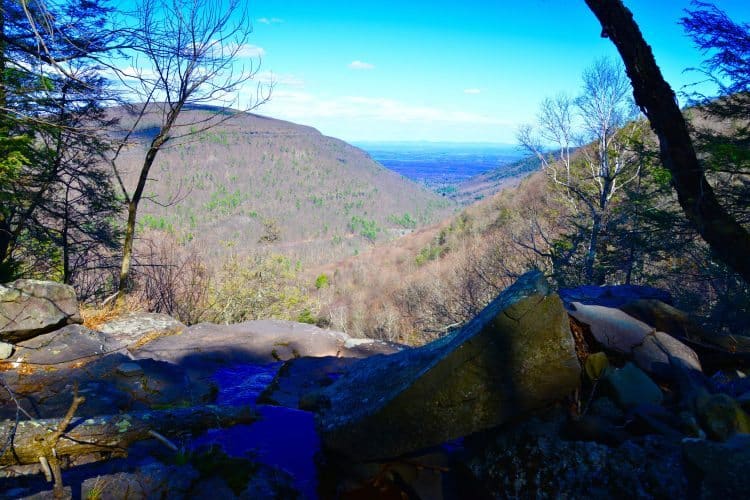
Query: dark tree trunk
(726, 237)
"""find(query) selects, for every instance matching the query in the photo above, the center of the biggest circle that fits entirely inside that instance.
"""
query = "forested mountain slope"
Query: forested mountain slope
(256, 182)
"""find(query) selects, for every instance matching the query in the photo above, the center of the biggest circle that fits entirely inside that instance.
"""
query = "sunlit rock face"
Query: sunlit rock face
(31, 307)
(517, 355)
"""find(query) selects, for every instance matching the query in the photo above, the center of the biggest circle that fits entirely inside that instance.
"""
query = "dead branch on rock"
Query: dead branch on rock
(110, 434)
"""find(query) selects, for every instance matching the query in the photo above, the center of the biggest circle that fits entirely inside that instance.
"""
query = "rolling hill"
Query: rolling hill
(495, 180)
(254, 182)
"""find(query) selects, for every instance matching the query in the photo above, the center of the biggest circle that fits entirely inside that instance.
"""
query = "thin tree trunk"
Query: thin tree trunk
(591, 253)
(726, 237)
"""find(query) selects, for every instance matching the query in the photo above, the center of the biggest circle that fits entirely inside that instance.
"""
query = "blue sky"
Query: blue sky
(465, 71)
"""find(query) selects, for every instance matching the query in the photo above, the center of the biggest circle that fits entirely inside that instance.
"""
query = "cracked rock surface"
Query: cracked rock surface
(517, 355)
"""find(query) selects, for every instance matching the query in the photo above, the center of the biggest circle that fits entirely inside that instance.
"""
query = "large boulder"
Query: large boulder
(653, 351)
(70, 345)
(31, 307)
(140, 328)
(517, 355)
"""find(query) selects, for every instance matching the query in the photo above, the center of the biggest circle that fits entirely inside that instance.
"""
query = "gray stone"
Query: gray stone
(612, 328)
(613, 295)
(262, 341)
(154, 480)
(6, 350)
(31, 307)
(658, 352)
(213, 487)
(653, 351)
(530, 460)
(137, 329)
(47, 393)
(70, 344)
(721, 416)
(517, 355)
(630, 387)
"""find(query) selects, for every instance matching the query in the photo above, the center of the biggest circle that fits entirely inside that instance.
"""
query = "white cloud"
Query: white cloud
(248, 50)
(269, 77)
(361, 65)
(472, 91)
(271, 20)
(306, 108)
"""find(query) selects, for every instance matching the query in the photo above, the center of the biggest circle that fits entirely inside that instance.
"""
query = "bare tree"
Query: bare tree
(188, 55)
(724, 234)
(603, 165)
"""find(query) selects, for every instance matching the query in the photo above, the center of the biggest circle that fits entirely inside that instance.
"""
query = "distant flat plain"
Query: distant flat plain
(441, 164)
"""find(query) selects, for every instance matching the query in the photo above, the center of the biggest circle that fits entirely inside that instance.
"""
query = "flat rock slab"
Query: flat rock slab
(619, 332)
(517, 355)
(31, 307)
(110, 384)
(68, 345)
(262, 341)
(137, 329)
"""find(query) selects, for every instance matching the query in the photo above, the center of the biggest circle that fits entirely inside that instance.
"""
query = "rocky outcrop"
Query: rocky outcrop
(68, 345)
(262, 341)
(653, 351)
(30, 307)
(517, 355)
(137, 329)
(532, 460)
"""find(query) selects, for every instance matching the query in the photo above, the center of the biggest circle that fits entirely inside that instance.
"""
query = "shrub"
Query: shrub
(321, 281)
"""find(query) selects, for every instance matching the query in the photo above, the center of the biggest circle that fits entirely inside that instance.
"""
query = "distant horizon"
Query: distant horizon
(441, 71)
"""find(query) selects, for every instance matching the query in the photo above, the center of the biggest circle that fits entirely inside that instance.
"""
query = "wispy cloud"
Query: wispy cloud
(270, 20)
(303, 106)
(248, 50)
(361, 65)
(269, 77)
(472, 91)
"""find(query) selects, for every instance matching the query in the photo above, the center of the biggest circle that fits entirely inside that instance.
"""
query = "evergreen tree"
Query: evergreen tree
(57, 200)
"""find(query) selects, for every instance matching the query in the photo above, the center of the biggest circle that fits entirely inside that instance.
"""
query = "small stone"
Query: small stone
(631, 387)
(722, 417)
(129, 369)
(596, 364)
(6, 350)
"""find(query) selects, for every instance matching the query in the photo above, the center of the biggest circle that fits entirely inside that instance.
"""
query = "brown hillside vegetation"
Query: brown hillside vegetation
(424, 284)
(254, 182)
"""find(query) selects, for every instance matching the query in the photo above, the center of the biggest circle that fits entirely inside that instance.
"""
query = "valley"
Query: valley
(258, 184)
